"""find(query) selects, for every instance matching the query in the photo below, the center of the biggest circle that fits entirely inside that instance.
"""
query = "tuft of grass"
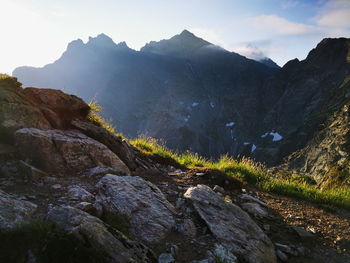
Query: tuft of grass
(95, 117)
(250, 173)
(4, 76)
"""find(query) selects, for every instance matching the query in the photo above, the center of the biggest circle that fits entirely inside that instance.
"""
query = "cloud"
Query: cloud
(281, 26)
(335, 13)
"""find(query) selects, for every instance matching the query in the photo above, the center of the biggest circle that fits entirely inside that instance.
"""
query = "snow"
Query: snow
(253, 148)
(230, 124)
(195, 104)
(212, 104)
(187, 118)
(276, 136)
(231, 131)
(246, 143)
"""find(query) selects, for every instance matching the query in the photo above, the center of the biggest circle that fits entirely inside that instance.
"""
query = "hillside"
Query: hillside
(72, 191)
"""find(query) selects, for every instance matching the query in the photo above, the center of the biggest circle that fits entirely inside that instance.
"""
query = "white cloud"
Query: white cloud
(335, 13)
(281, 26)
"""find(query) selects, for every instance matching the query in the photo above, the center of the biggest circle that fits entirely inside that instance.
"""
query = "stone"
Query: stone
(16, 112)
(14, 212)
(30, 172)
(284, 248)
(231, 226)
(219, 189)
(86, 207)
(58, 107)
(255, 209)
(188, 228)
(89, 229)
(100, 171)
(166, 258)
(56, 186)
(283, 257)
(127, 153)
(223, 254)
(68, 151)
(78, 193)
(150, 214)
(302, 233)
(252, 199)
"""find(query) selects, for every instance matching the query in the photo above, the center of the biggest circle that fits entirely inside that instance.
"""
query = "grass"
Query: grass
(250, 173)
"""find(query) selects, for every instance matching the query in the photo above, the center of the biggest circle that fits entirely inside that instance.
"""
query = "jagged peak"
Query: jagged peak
(101, 40)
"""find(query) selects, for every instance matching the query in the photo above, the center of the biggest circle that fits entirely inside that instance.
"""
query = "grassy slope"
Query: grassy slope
(246, 170)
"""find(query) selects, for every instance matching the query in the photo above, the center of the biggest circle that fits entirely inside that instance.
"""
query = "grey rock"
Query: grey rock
(223, 254)
(78, 193)
(302, 233)
(86, 207)
(166, 258)
(100, 171)
(219, 189)
(14, 212)
(231, 226)
(188, 228)
(56, 186)
(284, 248)
(68, 151)
(255, 209)
(30, 172)
(283, 257)
(252, 199)
(116, 247)
(150, 214)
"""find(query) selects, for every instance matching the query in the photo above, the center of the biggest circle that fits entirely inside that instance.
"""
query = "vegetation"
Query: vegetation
(250, 173)
(247, 171)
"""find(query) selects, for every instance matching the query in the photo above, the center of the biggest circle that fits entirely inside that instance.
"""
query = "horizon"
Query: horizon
(280, 30)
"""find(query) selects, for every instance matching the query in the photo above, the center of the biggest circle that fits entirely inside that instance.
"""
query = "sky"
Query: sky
(37, 32)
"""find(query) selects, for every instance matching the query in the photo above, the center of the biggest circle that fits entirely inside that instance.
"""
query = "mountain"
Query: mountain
(200, 97)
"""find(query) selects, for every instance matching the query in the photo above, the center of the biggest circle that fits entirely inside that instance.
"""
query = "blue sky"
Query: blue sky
(36, 32)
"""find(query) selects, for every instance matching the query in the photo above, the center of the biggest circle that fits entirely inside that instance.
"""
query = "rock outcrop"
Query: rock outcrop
(61, 152)
(14, 212)
(116, 247)
(149, 213)
(231, 226)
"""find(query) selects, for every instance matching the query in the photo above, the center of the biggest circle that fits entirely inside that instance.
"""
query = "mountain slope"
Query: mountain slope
(200, 97)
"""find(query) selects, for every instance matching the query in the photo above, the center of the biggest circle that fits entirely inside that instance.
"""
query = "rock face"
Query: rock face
(116, 247)
(60, 152)
(58, 107)
(16, 111)
(150, 214)
(232, 227)
(14, 212)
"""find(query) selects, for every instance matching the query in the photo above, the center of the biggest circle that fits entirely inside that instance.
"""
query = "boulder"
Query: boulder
(14, 212)
(69, 151)
(58, 107)
(127, 153)
(231, 226)
(77, 193)
(150, 214)
(15, 111)
(91, 230)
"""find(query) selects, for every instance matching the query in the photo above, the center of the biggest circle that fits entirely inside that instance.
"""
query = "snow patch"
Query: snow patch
(253, 148)
(212, 104)
(246, 143)
(195, 104)
(276, 136)
(230, 124)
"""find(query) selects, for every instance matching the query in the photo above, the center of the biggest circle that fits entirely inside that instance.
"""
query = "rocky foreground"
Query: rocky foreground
(70, 191)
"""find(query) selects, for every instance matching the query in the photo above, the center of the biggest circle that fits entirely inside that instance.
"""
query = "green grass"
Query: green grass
(250, 173)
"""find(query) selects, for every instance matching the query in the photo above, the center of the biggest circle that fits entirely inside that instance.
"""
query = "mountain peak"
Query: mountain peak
(101, 40)
(181, 45)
